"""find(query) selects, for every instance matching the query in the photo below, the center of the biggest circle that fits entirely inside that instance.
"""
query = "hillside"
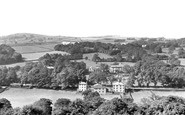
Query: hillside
(27, 38)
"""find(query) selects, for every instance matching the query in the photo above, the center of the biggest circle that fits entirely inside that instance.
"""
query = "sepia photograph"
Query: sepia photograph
(92, 57)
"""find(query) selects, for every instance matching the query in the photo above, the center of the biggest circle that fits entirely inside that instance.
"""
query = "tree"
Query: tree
(181, 52)
(115, 106)
(62, 102)
(93, 98)
(31, 110)
(119, 58)
(174, 61)
(44, 105)
(8, 55)
(98, 77)
(95, 58)
(61, 107)
(12, 76)
(5, 107)
(158, 49)
(171, 49)
(79, 107)
(104, 68)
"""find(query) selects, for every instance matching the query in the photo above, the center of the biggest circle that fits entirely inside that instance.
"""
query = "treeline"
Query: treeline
(150, 71)
(64, 74)
(50, 59)
(9, 75)
(8, 55)
(131, 51)
(93, 104)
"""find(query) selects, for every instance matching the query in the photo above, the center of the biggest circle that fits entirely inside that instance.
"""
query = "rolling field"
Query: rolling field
(23, 97)
(35, 56)
(90, 63)
(34, 48)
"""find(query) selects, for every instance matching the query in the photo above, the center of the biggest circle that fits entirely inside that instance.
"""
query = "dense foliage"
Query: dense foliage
(93, 104)
(8, 55)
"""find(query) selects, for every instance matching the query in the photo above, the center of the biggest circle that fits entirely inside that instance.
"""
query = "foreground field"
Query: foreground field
(20, 97)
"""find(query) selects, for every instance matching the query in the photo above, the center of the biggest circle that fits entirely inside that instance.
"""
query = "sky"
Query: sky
(82, 18)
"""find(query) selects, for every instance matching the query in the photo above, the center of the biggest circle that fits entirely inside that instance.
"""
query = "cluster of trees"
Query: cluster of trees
(50, 59)
(93, 104)
(181, 53)
(8, 55)
(131, 52)
(134, 52)
(64, 74)
(8, 75)
(96, 58)
(151, 70)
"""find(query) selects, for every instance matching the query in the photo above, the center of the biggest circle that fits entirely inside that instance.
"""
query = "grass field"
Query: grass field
(35, 56)
(23, 97)
(90, 63)
(34, 48)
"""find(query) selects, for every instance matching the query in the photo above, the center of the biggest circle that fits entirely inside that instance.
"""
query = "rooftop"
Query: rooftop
(98, 86)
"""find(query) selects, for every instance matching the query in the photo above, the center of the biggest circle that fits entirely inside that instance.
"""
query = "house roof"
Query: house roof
(117, 66)
(83, 83)
(98, 86)
(118, 83)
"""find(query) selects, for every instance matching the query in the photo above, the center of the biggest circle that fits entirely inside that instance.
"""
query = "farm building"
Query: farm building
(99, 88)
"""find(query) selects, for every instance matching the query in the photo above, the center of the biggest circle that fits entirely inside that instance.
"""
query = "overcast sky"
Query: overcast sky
(127, 18)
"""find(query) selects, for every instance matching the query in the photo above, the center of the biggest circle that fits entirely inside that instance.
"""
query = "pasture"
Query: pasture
(23, 97)
(90, 63)
(23, 49)
(36, 56)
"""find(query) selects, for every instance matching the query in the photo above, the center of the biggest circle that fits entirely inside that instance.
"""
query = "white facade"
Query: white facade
(99, 88)
(118, 87)
(116, 68)
(82, 86)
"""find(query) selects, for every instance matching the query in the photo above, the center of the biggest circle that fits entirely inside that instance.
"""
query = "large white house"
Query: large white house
(82, 86)
(118, 87)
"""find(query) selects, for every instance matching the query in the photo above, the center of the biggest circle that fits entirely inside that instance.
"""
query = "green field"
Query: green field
(35, 56)
(34, 48)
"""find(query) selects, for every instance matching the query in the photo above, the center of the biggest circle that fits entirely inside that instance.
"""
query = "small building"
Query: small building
(99, 88)
(92, 69)
(82, 86)
(116, 68)
(118, 87)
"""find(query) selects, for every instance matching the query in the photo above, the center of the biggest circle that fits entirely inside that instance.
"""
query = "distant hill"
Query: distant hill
(25, 38)
(28, 38)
